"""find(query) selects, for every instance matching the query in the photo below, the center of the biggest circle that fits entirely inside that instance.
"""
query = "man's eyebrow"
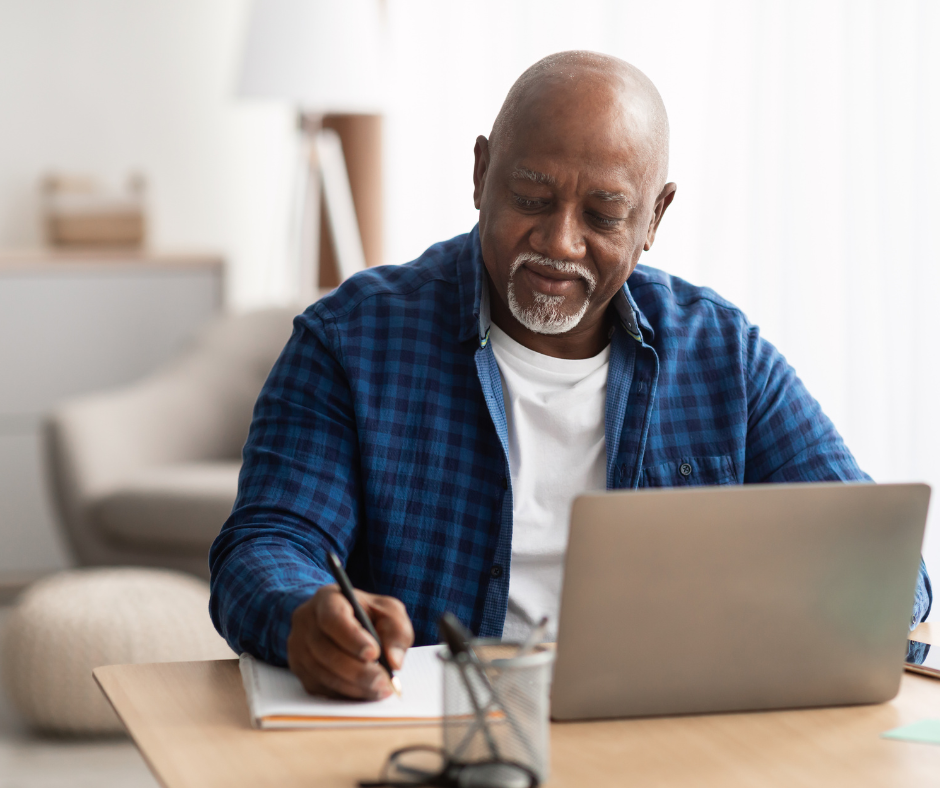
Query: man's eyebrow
(522, 174)
(606, 196)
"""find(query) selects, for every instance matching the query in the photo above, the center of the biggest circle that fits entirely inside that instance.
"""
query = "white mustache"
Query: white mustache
(566, 266)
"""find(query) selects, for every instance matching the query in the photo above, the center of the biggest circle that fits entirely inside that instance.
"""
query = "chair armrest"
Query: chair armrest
(195, 409)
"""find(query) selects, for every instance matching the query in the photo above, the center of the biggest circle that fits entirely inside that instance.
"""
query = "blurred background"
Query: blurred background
(804, 146)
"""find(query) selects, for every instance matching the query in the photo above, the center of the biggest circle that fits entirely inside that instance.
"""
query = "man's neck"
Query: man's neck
(585, 340)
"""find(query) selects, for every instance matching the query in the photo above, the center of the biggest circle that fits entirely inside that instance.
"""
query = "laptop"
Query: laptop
(715, 599)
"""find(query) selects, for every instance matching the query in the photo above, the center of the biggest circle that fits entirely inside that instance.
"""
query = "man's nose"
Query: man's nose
(559, 235)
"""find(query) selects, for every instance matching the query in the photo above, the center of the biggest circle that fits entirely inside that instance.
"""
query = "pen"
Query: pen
(339, 574)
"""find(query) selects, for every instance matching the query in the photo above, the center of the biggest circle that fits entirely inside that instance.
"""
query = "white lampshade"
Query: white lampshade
(322, 55)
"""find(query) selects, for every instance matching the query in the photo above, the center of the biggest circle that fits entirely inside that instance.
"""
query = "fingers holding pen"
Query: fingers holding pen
(337, 621)
(330, 651)
(393, 626)
(347, 675)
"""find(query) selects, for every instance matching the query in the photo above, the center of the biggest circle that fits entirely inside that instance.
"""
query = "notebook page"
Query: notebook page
(276, 692)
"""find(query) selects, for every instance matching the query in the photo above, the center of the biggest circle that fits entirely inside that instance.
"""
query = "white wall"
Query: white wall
(107, 86)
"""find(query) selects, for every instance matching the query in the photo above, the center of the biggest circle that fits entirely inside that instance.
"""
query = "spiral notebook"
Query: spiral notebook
(276, 698)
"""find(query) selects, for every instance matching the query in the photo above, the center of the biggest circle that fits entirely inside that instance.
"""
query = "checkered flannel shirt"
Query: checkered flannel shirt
(381, 434)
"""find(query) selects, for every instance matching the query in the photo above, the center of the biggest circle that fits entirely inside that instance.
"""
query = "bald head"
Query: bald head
(565, 77)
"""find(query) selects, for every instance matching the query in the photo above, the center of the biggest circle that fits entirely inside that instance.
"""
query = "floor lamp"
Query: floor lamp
(326, 200)
(324, 57)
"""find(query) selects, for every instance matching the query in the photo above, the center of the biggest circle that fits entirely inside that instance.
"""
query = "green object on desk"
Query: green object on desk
(924, 731)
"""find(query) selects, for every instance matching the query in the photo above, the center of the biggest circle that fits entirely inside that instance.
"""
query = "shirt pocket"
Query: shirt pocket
(689, 472)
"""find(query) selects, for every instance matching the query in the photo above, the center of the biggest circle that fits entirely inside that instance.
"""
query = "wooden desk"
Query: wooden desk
(190, 721)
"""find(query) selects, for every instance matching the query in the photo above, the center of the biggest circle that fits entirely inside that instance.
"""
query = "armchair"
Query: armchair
(146, 474)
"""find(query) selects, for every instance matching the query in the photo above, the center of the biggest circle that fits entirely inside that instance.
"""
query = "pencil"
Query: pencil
(342, 580)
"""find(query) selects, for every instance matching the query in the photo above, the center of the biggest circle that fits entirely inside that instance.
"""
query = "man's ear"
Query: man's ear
(481, 165)
(663, 201)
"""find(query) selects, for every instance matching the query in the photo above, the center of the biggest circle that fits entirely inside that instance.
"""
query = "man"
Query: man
(432, 422)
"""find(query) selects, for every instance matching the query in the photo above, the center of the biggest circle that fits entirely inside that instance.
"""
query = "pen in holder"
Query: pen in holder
(496, 704)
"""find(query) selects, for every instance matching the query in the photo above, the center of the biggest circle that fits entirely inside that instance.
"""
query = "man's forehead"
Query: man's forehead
(605, 135)
(621, 103)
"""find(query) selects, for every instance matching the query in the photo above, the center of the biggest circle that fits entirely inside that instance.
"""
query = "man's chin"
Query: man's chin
(550, 329)
(543, 314)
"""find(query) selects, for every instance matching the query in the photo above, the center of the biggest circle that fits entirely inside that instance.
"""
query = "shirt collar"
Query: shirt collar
(632, 319)
(476, 321)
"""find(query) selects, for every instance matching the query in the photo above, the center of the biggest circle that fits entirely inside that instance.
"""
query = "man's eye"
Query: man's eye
(527, 203)
(606, 222)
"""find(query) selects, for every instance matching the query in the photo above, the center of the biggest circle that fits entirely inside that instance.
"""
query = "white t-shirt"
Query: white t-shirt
(555, 415)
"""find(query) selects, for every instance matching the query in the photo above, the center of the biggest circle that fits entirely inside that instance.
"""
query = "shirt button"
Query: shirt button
(496, 571)
(685, 469)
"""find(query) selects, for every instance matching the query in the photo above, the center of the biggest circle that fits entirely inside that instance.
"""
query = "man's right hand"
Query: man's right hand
(330, 652)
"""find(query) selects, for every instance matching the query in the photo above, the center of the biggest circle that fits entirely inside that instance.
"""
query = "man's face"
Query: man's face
(566, 207)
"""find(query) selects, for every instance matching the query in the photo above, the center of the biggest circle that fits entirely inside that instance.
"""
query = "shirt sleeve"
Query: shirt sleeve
(298, 495)
(790, 439)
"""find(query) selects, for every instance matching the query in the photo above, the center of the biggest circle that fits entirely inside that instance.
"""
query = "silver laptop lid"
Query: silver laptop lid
(732, 598)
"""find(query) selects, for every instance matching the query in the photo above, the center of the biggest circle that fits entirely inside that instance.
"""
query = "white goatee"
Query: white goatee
(547, 315)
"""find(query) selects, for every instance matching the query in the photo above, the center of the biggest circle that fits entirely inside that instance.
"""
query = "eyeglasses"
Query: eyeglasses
(423, 765)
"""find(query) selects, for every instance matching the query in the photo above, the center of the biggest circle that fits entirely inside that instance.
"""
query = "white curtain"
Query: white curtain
(804, 145)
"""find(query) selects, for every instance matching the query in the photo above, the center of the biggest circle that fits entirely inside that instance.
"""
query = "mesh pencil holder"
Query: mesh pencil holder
(496, 708)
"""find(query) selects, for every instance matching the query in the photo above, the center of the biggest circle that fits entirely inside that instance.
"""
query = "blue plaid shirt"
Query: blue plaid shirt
(381, 434)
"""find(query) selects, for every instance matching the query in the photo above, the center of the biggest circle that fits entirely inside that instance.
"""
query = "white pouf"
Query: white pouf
(66, 625)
